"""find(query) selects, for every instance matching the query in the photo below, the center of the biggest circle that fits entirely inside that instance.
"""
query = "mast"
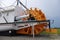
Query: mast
(17, 2)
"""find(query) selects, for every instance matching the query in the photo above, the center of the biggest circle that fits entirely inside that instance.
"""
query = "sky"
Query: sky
(51, 8)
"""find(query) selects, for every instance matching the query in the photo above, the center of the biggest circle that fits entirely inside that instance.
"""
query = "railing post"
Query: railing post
(33, 31)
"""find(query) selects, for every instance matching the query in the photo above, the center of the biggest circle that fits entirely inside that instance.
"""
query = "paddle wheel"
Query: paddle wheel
(35, 14)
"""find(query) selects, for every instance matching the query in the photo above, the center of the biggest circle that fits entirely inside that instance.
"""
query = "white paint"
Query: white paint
(23, 16)
(19, 11)
(5, 27)
(10, 18)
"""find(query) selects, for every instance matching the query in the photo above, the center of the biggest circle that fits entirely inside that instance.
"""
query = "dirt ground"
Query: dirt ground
(52, 37)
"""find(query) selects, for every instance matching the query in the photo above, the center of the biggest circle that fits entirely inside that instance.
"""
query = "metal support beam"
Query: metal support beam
(23, 5)
(5, 19)
(33, 31)
(17, 2)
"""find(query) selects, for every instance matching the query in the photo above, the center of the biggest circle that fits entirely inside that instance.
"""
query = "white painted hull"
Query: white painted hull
(5, 27)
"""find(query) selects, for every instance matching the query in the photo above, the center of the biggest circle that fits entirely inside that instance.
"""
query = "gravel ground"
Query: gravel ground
(53, 37)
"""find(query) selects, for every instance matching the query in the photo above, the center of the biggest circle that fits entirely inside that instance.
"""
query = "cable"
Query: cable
(23, 5)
